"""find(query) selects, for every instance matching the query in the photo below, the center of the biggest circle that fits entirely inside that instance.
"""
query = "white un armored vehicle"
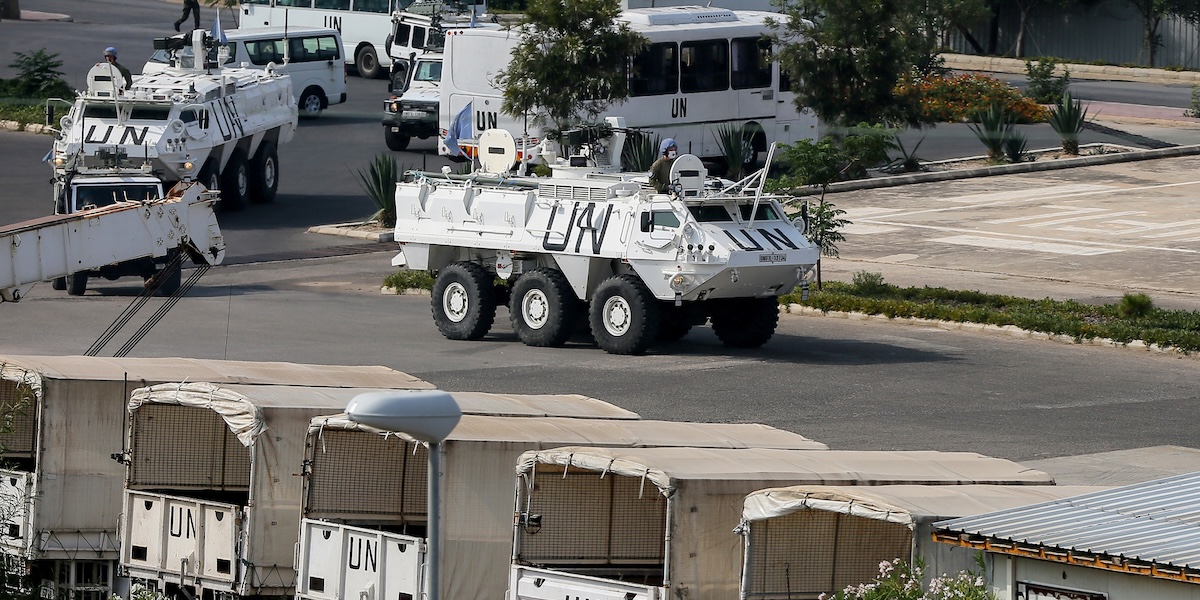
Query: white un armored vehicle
(641, 266)
(194, 120)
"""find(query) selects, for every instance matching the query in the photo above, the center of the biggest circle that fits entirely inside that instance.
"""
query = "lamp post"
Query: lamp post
(429, 416)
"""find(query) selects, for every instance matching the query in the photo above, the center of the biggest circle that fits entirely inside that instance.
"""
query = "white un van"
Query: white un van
(313, 57)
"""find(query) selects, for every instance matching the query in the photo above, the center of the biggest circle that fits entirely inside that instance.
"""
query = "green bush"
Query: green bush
(38, 76)
(959, 98)
(1193, 110)
(1133, 318)
(409, 280)
(379, 183)
(1067, 117)
(994, 129)
(1044, 87)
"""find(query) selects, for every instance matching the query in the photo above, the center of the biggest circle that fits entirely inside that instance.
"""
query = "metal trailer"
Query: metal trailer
(807, 541)
(365, 522)
(658, 523)
(61, 486)
(213, 496)
(124, 235)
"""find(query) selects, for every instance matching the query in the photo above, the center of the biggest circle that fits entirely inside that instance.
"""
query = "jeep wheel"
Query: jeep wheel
(745, 322)
(543, 308)
(464, 304)
(395, 141)
(624, 315)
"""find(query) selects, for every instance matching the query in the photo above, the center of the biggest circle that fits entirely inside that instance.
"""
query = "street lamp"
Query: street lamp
(429, 416)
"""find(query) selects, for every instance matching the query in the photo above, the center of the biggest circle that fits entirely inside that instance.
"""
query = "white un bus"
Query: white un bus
(364, 24)
(704, 67)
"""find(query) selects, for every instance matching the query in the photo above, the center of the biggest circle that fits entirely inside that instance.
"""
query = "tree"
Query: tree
(571, 62)
(818, 164)
(1153, 12)
(847, 57)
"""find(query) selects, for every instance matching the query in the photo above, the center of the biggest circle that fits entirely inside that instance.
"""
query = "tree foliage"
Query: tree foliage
(1153, 12)
(571, 62)
(39, 76)
(845, 58)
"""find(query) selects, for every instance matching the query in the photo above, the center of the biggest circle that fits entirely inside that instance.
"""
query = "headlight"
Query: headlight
(681, 282)
(394, 106)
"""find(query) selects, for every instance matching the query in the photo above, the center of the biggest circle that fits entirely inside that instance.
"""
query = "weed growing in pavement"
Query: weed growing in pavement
(1133, 318)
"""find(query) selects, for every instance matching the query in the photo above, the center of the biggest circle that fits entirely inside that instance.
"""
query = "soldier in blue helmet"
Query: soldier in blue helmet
(110, 56)
(660, 171)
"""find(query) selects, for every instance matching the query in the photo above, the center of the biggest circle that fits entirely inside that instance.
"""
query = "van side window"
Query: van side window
(655, 70)
(262, 52)
(751, 62)
(704, 66)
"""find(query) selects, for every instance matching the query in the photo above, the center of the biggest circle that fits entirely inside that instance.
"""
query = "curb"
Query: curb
(1008, 330)
(344, 230)
(970, 62)
(1028, 167)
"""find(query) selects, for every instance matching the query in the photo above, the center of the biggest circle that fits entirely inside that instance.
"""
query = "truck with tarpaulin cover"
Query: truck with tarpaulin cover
(658, 523)
(67, 418)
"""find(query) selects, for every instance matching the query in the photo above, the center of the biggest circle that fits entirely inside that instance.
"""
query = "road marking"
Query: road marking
(1091, 217)
(865, 229)
(1070, 211)
(1022, 245)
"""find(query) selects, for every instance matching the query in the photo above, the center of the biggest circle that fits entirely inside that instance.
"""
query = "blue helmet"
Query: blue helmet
(667, 143)
(110, 50)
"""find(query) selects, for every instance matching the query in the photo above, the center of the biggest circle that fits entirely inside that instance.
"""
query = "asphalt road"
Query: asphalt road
(853, 385)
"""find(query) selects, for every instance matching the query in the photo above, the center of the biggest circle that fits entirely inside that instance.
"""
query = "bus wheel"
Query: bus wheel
(77, 284)
(367, 63)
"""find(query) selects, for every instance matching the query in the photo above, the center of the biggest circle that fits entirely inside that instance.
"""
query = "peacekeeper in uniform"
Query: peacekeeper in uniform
(660, 171)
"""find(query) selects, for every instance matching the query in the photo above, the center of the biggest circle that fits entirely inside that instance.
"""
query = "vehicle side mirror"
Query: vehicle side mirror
(646, 221)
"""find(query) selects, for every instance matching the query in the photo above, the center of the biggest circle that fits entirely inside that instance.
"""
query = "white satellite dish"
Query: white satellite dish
(497, 151)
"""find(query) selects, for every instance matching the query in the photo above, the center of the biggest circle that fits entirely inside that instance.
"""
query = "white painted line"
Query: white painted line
(1113, 247)
(1010, 244)
(1103, 215)
(1065, 213)
(863, 229)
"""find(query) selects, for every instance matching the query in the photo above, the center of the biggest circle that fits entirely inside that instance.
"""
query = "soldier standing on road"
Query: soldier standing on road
(110, 56)
(190, 7)
(660, 171)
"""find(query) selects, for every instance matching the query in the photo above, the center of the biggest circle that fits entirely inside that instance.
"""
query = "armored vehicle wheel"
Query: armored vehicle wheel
(312, 102)
(265, 173)
(235, 182)
(59, 283)
(624, 315)
(464, 304)
(395, 141)
(674, 322)
(77, 284)
(367, 63)
(542, 308)
(745, 322)
(210, 175)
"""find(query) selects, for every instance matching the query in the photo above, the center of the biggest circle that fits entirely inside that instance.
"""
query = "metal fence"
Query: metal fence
(1110, 32)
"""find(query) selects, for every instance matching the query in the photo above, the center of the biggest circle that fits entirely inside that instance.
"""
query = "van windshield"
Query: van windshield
(95, 196)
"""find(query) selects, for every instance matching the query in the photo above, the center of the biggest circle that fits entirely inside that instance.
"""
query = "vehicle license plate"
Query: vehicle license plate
(772, 258)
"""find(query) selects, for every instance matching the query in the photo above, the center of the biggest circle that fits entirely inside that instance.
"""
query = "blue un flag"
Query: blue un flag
(459, 128)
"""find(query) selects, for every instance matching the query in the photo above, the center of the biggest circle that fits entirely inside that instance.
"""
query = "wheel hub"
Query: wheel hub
(535, 309)
(454, 302)
(617, 316)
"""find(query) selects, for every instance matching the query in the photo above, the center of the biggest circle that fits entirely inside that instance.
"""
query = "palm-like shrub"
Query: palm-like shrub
(379, 183)
(1067, 117)
(736, 146)
(640, 150)
(994, 128)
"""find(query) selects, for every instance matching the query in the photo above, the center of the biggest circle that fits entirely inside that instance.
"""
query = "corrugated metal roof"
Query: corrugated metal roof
(1156, 522)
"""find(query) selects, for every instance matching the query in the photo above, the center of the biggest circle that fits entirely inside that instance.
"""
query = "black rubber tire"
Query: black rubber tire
(312, 102)
(674, 322)
(623, 315)
(264, 173)
(77, 284)
(395, 141)
(464, 303)
(745, 322)
(210, 175)
(235, 182)
(367, 63)
(59, 283)
(543, 308)
(173, 279)
(756, 140)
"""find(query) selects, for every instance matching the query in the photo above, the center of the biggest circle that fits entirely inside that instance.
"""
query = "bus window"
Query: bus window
(655, 71)
(751, 62)
(297, 3)
(334, 4)
(704, 66)
(374, 6)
